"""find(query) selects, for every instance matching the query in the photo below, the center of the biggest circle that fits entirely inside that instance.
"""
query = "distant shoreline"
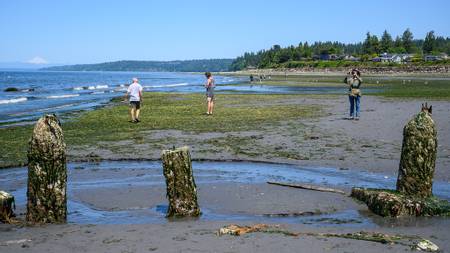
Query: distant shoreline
(388, 70)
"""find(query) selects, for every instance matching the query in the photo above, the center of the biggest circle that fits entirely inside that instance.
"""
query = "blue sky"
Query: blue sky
(98, 31)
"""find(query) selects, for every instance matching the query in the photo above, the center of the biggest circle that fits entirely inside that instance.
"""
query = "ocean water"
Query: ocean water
(63, 92)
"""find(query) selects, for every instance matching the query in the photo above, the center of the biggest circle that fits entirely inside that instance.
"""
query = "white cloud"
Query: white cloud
(37, 60)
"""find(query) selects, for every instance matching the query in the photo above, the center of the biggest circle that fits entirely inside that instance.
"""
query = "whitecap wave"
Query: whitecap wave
(12, 101)
(64, 96)
(92, 87)
(101, 86)
(27, 90)
(166, 85)
(56, 107)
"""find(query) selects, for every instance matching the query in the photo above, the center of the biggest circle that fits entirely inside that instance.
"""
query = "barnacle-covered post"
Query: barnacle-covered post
(417, 162)
(47, 173)
(6, 206)
(181, 188)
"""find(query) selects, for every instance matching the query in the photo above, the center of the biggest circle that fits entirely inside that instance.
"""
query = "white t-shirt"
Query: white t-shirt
(134, 90)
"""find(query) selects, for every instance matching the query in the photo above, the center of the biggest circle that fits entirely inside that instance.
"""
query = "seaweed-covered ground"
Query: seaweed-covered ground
(294, 129)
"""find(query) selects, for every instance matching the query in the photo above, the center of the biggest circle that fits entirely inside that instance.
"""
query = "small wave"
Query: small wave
(166, 85)
(55, 107)
(98, 92)
(64, 96)
(97, 87)
(27, 90)
(12, 101)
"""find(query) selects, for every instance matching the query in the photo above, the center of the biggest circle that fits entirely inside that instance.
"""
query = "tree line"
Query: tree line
(215, 65)
(372, 46)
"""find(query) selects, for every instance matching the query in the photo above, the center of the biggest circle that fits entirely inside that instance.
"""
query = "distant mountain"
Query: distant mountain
(213, 65)
(24, 65)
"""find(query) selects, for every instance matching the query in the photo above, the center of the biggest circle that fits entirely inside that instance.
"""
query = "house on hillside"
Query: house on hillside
(324, 57)
(350, 58)
(393, 58)
(334, 57)
(440, 57)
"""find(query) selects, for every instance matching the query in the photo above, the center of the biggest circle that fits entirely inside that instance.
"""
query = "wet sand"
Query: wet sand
(191, 235)
(136, 210)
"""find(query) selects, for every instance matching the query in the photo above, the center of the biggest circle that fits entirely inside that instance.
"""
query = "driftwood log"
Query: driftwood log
(181, 188)
(412, 242)
(47, 173)
(418, 157)
(308, 187)
(7, 205)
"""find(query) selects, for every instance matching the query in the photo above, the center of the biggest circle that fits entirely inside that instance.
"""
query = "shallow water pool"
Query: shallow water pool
(123, 174)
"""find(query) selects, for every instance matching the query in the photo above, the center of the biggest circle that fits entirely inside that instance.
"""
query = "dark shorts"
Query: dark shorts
(210, 95)
(135, 104)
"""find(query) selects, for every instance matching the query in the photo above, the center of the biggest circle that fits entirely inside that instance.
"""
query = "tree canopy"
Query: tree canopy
(370, 47)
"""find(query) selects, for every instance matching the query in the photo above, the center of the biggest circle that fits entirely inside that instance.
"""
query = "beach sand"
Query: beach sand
(250, 201)
(371, 144)
(193, 235)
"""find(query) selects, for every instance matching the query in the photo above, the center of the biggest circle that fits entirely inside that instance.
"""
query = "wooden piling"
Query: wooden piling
(47, 173)
(181, 188)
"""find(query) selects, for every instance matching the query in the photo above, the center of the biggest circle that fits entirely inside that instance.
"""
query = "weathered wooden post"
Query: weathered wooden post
(418, 158)
(7, 205)
(47, 173)
(181, 188)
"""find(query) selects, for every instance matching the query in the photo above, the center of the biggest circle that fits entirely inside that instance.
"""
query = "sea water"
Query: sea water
(41, 92)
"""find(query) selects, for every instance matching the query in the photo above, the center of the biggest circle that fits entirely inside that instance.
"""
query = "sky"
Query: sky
(75, 32)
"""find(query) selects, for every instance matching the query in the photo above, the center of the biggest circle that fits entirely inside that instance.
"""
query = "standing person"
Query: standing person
(354, 82)
(134, 92)
(209, 85)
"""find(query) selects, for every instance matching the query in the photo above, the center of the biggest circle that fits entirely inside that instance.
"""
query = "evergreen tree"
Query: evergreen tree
(307, 52)
(375, 44)
(386, 43)
(367, 48)
(371, 45)
(398, 46)
(430, 43)
(407, 41)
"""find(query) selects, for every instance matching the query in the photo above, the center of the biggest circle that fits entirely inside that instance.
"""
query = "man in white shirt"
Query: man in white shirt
(134, 92)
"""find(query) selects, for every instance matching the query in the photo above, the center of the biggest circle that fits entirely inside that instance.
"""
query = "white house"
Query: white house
(395, 58)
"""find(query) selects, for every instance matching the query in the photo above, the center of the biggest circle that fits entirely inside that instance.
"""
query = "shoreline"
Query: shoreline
(341, 71)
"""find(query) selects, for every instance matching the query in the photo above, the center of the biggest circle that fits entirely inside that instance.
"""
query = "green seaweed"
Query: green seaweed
(392, 203)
